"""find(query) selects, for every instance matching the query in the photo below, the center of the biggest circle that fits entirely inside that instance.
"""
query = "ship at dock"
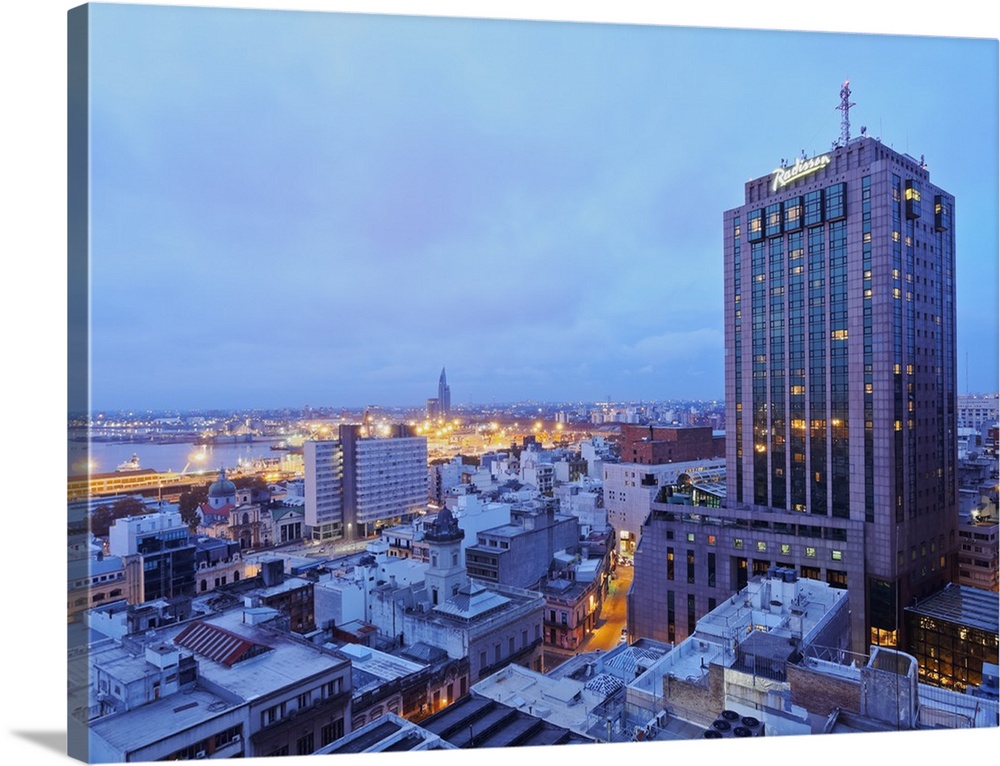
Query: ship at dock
(132, 464)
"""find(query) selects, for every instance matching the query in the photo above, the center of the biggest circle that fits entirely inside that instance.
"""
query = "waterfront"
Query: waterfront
(177, 456)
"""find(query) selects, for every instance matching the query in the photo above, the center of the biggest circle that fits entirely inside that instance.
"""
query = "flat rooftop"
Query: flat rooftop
(160, 719)
(287, 661)
(561, 701)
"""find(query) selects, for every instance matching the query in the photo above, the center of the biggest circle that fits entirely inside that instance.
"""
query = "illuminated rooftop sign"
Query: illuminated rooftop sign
(801, 169)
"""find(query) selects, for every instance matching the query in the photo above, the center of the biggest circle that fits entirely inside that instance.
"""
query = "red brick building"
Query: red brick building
(655, 445)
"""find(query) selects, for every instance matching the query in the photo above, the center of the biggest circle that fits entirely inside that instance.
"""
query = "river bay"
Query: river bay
(106, 456)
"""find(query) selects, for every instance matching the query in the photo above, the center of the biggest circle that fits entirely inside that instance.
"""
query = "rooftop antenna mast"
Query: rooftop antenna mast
(845, 107)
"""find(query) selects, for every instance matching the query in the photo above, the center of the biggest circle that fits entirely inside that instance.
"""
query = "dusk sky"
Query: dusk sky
(326, 209)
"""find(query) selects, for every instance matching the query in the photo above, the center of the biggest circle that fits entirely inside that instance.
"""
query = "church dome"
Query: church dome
(222, 487)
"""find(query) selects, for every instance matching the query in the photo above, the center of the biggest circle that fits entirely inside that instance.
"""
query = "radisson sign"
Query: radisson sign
(801, 169)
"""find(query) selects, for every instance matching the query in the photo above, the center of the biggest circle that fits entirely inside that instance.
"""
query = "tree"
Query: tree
(255, 483)
(189, 502)
(104, 516)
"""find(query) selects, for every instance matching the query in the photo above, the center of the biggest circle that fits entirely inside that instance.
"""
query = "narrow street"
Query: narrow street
(608, 633)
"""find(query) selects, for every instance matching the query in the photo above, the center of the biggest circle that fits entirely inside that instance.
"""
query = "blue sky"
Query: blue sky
(325, 209)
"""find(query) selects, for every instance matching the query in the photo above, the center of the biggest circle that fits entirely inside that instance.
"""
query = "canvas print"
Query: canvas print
(447, 383)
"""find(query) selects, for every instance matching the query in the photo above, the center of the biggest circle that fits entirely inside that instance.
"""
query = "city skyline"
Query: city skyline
(325, 209)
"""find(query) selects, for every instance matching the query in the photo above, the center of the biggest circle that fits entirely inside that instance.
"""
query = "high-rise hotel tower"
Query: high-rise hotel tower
(841, 375)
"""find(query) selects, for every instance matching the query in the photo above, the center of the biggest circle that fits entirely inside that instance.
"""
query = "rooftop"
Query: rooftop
(474, 722)
(385, 667)
(472, 601)
(962, 605)
(762, 618)
(160, 719)
(388, 733)
(561, 701)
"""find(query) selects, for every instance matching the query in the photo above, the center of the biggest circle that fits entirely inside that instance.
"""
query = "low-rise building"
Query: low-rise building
(736, 658)
(979, 550)
(519, 553)
(774, 660)
(491, 625)
(92, 578)
(388, 733)
(413, 683)
(953, 634)
(476, 722)
(566, 702)
(574, 596)
(221, 686)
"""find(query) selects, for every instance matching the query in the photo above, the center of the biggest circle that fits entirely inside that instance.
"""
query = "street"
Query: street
(609, 626)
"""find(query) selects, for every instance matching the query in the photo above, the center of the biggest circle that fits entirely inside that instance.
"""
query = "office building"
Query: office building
(979, 554)
(978, 410)
(656, 445)
(841, 369)
(520, 553)
(356, 484)
(158, 556)
(841, 457)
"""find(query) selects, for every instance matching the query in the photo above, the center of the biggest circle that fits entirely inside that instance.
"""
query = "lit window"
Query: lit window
(761, 547)
(836, 555)
(810, 552)
(738, 542)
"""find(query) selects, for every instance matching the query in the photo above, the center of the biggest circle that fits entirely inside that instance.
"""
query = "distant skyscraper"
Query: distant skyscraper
(444, 396)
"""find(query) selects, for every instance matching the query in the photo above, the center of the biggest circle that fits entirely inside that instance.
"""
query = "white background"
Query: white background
(33, 367)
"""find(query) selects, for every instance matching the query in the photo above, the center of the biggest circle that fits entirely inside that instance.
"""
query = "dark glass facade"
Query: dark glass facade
(842, 405)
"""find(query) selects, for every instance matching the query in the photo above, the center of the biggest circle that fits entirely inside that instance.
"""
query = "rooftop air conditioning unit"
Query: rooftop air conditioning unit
(750, 724)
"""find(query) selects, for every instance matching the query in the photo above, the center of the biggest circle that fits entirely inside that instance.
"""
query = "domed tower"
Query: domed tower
(221, 492)
(446, 574)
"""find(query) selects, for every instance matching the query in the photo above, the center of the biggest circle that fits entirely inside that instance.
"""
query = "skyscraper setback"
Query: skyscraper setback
(841, 370)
